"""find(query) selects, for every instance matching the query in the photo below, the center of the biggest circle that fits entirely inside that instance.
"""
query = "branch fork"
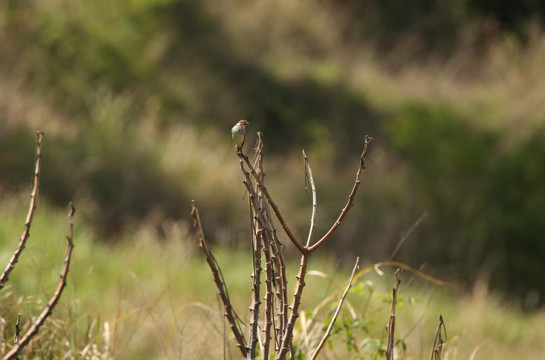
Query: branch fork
(280, 316)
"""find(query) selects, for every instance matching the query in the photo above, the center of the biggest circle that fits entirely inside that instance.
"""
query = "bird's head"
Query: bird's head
(243, 123)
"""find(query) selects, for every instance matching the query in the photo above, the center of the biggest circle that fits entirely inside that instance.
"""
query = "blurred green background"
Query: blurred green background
(137, 97)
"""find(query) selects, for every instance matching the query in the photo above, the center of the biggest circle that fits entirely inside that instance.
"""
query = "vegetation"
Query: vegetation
(136, 99)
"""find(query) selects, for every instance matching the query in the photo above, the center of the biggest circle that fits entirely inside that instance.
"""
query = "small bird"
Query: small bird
(239, 133)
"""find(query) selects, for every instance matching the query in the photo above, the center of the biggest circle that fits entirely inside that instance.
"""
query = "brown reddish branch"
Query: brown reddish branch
(259, 231)
(351, 197)
(275, 209)
(286, 344)
(267, 248)
(229, 312)
(287, 330)
(30, 214)
(390, 329)
(12, 354)
(337, 311)
(256, 287)
(281, 282)
(309, 249)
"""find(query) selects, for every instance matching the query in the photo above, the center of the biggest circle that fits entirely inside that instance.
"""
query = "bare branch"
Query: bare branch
(256, 286)
(438, 342)
(351, 197)
(269, 297)
(308, 170)
(30, 214)
(281, 282)
(260, 235)
(337, 311)
(390, 329)
(288, 332)
(12, 354)
(276, 211)
(220, 283)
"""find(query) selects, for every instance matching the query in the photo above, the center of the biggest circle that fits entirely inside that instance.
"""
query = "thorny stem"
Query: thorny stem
(220, 283)
(281, 281)
(266, 246)
(288, 333)
(30, 214)
(262, 234)
(287, 230)
(269, 296)
(256, 286)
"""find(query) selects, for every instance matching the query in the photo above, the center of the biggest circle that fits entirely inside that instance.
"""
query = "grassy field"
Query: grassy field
(149, 298)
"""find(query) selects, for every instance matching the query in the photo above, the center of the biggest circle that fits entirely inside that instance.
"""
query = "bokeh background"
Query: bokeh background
(137, 98)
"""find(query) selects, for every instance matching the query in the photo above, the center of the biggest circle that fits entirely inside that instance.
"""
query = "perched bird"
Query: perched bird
(239, 133)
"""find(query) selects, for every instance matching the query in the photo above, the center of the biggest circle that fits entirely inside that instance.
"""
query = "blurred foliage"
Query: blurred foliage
(485, 197)
(424, 27)
(133, 95)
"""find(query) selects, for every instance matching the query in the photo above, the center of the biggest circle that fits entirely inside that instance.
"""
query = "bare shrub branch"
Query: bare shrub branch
(220, 282)
(33, 330)
(308, 172)
(294, 314)
(276, 211)
(337, 311)
(351, 197)
(30, 214)
(280, 316)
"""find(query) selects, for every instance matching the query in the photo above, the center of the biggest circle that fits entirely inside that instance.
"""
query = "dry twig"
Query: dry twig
(33, 330)
(308, 171)
(351, 197)
(30, 214)
(220, 283)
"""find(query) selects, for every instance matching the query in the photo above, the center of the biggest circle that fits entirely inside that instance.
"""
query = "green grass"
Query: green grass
(145, 297)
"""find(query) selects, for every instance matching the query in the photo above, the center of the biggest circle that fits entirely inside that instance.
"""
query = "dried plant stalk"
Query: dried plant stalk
(30, 214)
(390, 329)
(33, 330)
(439, 342)
(220, 283)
